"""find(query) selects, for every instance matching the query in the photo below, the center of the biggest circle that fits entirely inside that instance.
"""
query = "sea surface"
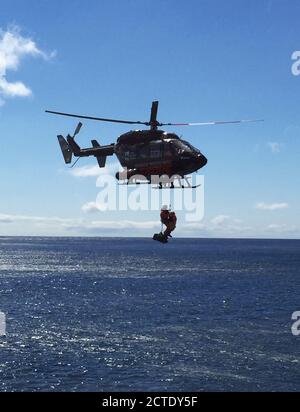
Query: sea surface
(99, 314)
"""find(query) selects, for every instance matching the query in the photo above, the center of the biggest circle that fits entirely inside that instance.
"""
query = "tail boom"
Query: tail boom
(69, 148)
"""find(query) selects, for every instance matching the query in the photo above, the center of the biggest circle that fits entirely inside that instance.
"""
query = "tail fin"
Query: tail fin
(95, 143)
(100, 159)
(66, 149)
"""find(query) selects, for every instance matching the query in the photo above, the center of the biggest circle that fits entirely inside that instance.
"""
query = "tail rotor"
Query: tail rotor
(69, 146)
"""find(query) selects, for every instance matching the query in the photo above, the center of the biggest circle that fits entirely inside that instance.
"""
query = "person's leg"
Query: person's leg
(171, 229)
(167, 231)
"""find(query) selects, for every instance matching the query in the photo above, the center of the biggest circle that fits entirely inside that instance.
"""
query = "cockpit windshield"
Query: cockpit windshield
(184, 147)
(193, 148)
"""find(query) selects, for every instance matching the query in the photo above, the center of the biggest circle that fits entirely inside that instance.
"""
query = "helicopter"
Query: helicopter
(147, 156)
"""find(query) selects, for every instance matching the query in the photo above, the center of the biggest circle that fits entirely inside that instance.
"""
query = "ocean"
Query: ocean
(116, 314)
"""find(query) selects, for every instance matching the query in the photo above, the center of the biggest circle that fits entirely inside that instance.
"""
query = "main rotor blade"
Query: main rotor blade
(154, 109)
(97, 118)
(211, 123)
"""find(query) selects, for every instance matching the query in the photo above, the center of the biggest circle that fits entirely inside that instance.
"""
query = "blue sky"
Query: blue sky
(203, 60)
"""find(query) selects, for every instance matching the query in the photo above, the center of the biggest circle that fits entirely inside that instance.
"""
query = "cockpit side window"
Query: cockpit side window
(182, 147)
(190, 147)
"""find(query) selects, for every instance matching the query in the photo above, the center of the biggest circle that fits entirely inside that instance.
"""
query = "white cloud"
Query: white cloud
(225, 228)
(86, 171)
(13, 89)
(95, 170)
(274, 226)
(271, 206)
(282, 229)
(13, 48)
(97, 225)
(7, 218)
(220, 220)
(77, 223)
(90, 207)
(275, 147)
(224, 225)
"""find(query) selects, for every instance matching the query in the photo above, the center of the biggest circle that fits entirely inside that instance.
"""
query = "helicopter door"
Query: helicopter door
(156, 151)
(143, 154)
(168, 150)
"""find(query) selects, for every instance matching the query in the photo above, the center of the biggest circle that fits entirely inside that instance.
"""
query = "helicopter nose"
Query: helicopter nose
(201, 160)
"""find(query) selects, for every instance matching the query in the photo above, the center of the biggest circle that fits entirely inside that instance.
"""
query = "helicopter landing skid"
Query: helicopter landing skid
(133, 183)
(180, 186)
(164, 185)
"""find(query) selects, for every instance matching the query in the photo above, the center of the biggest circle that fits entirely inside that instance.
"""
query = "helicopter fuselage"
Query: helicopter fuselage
(148, 153)
(155, 152)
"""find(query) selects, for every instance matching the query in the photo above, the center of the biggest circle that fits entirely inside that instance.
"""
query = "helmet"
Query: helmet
(164, 207)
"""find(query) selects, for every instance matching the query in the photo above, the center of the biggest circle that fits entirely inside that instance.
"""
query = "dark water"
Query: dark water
(135, 315)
